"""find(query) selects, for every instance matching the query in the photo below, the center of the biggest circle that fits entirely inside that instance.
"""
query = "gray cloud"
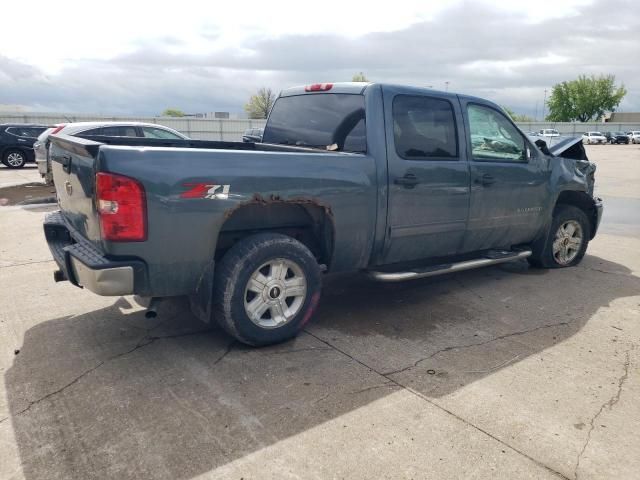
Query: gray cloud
(478, 49)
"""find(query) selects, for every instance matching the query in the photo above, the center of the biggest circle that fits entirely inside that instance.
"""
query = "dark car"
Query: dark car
(617, 137)
(16, 143)
(253, 135)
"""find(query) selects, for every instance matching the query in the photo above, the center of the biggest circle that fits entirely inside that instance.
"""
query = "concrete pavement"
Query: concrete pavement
(504, 372)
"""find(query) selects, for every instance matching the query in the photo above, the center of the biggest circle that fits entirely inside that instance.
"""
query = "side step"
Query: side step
(491, 258)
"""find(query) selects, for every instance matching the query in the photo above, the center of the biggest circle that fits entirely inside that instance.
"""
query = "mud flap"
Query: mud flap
(201, 300)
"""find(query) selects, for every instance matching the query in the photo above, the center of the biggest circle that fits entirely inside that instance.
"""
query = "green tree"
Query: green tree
(173, 112)
(260, 103)
(584, 99)
(359, 77)
(517, 117)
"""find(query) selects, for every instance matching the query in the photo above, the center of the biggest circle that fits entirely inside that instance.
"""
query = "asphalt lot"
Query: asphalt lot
(504, 372)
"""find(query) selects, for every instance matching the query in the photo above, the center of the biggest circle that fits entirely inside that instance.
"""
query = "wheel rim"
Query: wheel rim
(567, 242)
(15, 159)
(275, 293)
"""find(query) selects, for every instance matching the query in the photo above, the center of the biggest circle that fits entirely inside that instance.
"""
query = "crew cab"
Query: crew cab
(395, 181)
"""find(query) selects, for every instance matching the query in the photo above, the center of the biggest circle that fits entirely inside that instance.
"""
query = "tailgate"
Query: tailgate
(73, 164)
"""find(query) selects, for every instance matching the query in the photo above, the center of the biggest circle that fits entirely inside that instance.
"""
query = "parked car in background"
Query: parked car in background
(253, 135)
(616, 137)
(593, 137)
(634, 136)
(16, 143)
(549, 132)
(105, 129)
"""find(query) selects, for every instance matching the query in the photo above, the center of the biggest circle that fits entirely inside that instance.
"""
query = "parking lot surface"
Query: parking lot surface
(503, 372)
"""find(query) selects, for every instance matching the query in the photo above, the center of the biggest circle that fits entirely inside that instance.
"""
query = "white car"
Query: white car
(593, 137)
(549, 132)
(109, 129)
(634, 136)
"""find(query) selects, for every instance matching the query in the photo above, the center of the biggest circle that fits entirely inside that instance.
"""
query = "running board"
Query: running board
(491, 258)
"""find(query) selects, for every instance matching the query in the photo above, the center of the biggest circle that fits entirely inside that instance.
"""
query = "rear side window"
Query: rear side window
(25, 132)
(424, 128)
(153, 132)
(119, 131)
(329, 121)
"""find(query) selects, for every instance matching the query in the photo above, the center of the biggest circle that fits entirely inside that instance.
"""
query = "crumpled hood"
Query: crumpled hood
(573, 158)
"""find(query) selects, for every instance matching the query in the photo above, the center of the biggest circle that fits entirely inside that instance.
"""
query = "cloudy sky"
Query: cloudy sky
(128, 57)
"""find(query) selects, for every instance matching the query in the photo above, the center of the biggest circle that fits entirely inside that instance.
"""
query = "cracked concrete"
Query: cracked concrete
(504, 372)
(608, 404)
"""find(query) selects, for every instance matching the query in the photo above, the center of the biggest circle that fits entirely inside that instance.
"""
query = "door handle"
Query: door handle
(408, 181)
(485, 180)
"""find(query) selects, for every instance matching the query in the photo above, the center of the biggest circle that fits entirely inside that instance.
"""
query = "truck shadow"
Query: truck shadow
(110, 394)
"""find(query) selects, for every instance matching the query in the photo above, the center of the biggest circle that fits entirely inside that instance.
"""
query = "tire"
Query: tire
(254, 276)
(574, 224)
(14, 158)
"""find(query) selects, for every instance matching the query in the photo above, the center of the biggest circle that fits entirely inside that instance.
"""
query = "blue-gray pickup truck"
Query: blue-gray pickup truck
(395, 181)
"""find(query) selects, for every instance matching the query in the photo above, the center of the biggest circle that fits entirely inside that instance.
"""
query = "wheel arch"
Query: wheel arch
(584, 202)
(305, 220)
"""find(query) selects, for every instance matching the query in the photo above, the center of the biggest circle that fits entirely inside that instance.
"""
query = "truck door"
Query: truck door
(428, 176)
(509, 181)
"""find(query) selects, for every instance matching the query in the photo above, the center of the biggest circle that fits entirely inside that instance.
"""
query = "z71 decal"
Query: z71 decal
(206, 190)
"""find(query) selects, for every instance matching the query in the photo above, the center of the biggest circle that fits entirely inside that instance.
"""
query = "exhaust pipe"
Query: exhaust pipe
(152, 309)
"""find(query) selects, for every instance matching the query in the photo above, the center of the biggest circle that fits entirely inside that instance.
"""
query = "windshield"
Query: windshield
(326, 121)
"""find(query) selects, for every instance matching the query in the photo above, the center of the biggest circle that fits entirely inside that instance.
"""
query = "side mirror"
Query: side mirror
(542, 145)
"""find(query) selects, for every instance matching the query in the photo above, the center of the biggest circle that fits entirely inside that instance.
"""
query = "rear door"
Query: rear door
(509, 181)
(428, 176)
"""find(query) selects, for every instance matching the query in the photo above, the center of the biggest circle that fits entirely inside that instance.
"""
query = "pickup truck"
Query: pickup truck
(396, 181)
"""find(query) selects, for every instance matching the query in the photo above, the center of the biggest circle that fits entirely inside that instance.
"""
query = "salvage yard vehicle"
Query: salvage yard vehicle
(16, 143)
(616, 137)
(253, 135)
(594, 137)
(89, 129)
(549, 132)
(398, 182)
(634, 136)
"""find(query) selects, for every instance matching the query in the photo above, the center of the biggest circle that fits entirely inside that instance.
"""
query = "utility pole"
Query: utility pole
(544, 103)
(535, 117)
(446, 86)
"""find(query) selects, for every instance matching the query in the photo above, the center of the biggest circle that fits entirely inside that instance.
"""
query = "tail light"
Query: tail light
(57, 129)
(318, 87)
(122, 208)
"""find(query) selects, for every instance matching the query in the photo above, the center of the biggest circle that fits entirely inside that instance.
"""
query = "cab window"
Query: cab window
(493, 137)
(424, 128)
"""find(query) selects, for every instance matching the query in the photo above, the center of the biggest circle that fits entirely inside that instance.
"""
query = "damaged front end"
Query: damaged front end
(572, 151)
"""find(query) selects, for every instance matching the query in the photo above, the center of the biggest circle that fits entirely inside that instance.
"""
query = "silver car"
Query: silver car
(107, 129)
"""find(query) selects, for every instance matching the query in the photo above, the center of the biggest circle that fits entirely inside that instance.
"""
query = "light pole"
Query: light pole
(544, 103)
(446, 86)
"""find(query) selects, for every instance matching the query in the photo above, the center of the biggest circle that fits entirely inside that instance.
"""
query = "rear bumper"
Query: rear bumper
(42, 165)
(84, 265)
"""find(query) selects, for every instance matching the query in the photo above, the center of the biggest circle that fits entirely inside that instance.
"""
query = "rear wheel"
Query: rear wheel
(266, 288)
(567, 239)
(14, 159)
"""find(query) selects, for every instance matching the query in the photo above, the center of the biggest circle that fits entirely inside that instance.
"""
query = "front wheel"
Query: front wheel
(266, 288)
(14, 159)
(567, 239)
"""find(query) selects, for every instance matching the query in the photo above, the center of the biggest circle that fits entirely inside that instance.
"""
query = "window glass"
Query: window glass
(93, 131)
(424, 128)
(493, 137)
(153, 132)
(329, 121)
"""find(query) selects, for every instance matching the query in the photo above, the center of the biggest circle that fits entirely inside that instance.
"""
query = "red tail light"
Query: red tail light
(122, 208)
(318, 87)
(57, 129)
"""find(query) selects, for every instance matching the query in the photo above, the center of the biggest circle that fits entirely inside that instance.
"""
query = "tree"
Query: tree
(359, 77)
(584, 99)
(260, 104)
(517, 117)
(173, 112)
